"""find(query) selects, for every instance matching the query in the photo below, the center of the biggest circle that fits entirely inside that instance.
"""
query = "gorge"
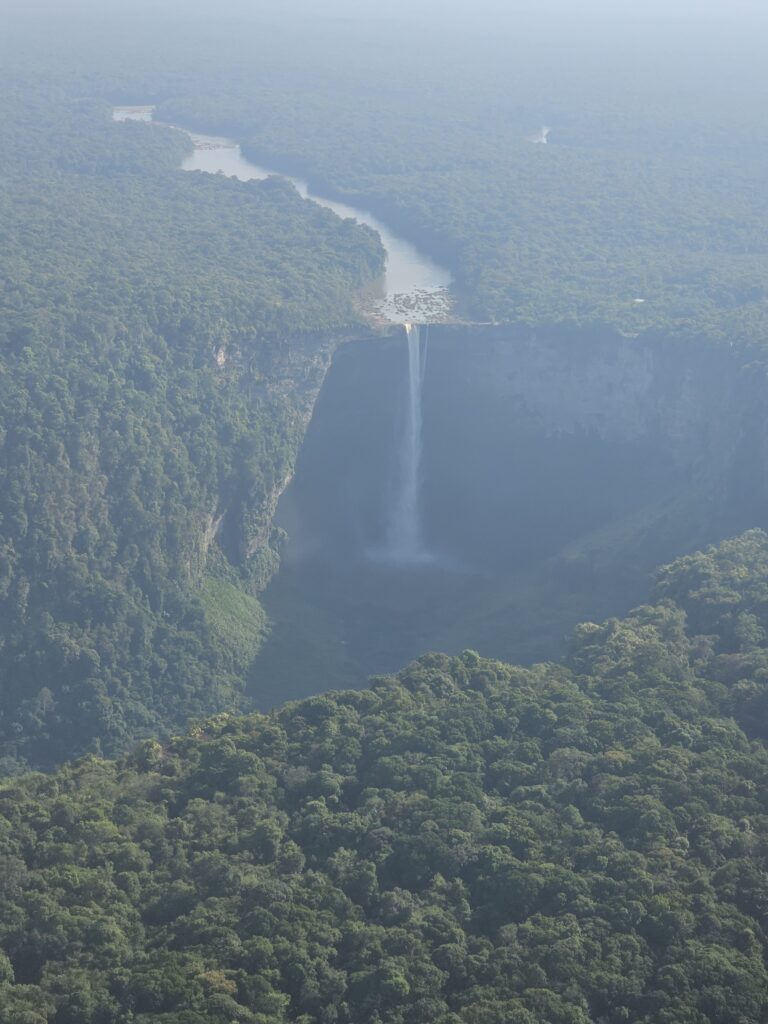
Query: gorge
(526, 481)
(558, 468)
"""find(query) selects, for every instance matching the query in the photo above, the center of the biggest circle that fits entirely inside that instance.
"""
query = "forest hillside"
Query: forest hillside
(464, 842)
(162, 336)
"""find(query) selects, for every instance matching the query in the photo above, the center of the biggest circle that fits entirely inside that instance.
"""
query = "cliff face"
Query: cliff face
(559, 468)
(593, 380)
(287, 390)
(557, 435)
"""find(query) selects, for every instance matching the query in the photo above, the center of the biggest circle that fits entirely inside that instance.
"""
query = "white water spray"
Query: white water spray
(406, 543)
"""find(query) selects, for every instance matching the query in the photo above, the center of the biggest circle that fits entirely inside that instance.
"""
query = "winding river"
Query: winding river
(415, 288)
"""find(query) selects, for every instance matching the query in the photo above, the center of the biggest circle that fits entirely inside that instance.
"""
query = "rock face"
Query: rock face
(568, 433)
(287, 389)
(559, 468)
(533, 439)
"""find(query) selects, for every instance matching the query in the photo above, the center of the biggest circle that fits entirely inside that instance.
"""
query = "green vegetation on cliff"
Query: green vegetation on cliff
(160, 334)
(466, 842)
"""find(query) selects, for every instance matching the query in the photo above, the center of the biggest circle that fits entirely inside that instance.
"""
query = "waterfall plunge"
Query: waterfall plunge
(406, 543)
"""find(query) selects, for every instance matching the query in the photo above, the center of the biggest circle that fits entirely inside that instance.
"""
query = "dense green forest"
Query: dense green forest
(570, 230)
(160, 337)
(465, 842)
(650, 186)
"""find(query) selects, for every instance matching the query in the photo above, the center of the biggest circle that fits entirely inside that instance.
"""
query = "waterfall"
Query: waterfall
(406, 543)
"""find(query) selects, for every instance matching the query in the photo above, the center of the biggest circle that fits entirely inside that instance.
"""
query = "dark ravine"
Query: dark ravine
(560, 467)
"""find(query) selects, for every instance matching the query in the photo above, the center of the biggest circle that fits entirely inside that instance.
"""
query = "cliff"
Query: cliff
(559, 467)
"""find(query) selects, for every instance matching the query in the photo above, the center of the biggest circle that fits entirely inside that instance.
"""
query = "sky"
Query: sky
(702, 39)
(469, 11)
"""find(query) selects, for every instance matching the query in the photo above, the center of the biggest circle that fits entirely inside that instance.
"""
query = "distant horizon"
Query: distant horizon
(216, 10)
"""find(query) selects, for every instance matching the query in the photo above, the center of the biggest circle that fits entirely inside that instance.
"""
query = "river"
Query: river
(415, 288)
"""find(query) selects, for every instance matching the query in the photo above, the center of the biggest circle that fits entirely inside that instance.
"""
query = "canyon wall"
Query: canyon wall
(560, 467)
